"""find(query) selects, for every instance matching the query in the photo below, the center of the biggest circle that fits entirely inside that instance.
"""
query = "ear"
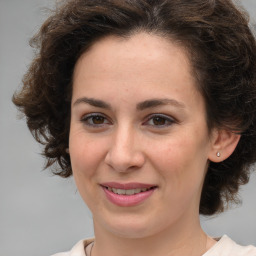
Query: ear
(223, 144)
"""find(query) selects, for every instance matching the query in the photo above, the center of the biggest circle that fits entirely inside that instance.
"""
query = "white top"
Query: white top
(224, 247)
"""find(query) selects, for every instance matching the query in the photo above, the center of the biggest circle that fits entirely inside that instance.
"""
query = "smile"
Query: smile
(119, 191)
(127, 195)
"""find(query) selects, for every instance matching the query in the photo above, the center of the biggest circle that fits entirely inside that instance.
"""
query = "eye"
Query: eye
(159, 121)
(95, 120)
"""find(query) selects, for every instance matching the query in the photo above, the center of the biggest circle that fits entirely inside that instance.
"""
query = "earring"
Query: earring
(218, 154)
(67, 150)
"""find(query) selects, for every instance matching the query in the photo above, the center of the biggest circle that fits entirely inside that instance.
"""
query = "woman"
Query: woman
(150, 104)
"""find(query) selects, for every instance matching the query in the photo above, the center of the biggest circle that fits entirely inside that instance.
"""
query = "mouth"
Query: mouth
(129, 194)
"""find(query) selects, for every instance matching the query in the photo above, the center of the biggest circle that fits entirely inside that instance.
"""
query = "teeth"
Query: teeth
(127, 191)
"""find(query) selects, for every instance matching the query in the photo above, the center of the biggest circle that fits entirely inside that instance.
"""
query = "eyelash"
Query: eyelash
(87, 118)
(168, 121)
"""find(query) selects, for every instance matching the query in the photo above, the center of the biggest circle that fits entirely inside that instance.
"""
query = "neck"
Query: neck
(182, 240)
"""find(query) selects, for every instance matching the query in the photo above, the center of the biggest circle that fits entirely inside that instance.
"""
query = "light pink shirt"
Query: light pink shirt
(224, 247)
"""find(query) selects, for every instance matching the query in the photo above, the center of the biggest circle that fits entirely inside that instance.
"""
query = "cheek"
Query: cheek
(86, 157)
(182, 161)
(85, 154)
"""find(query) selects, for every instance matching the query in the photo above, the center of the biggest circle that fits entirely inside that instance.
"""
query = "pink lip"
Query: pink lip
(131, 185)
(127, 200)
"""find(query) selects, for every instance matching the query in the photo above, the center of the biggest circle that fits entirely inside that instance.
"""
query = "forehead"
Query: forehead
(131, 54)
(145, 65)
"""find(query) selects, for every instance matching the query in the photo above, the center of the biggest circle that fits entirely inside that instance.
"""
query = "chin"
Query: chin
(132, 232)
(132, 227)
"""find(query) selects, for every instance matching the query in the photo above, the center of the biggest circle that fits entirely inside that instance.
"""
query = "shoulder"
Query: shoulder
(227, 247)
(77, 250)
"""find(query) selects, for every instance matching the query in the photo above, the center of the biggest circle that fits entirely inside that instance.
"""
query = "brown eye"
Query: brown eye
(98, 119)
(159, 121)
(95, 120)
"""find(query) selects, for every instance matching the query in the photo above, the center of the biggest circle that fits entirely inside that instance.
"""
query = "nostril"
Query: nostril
(125, 160)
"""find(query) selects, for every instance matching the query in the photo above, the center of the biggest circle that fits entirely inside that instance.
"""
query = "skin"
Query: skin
(126, 143)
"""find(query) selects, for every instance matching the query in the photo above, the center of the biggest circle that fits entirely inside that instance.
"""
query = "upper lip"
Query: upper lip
(126, 186)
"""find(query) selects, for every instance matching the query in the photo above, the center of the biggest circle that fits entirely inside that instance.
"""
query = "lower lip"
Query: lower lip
(127, 200)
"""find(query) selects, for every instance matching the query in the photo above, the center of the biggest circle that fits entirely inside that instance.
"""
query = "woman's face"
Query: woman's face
(139, 142)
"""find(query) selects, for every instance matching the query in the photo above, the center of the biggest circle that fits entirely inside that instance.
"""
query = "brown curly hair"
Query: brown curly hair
(222, 50)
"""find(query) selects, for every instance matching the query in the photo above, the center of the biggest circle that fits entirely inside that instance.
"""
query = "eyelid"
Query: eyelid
(86, 117)
(107, 121)
(168, 118)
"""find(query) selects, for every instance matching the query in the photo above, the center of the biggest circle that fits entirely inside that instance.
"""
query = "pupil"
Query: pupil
(159, 121)
(98, 120)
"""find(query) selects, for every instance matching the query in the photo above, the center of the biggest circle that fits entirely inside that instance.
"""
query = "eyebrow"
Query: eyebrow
(140, 106)
(93, 102)
(159, 102)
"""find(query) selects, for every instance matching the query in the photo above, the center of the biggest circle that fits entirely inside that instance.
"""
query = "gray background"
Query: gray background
(41, 214)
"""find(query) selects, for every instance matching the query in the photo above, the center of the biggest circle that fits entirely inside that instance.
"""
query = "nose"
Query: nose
(125, 152)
